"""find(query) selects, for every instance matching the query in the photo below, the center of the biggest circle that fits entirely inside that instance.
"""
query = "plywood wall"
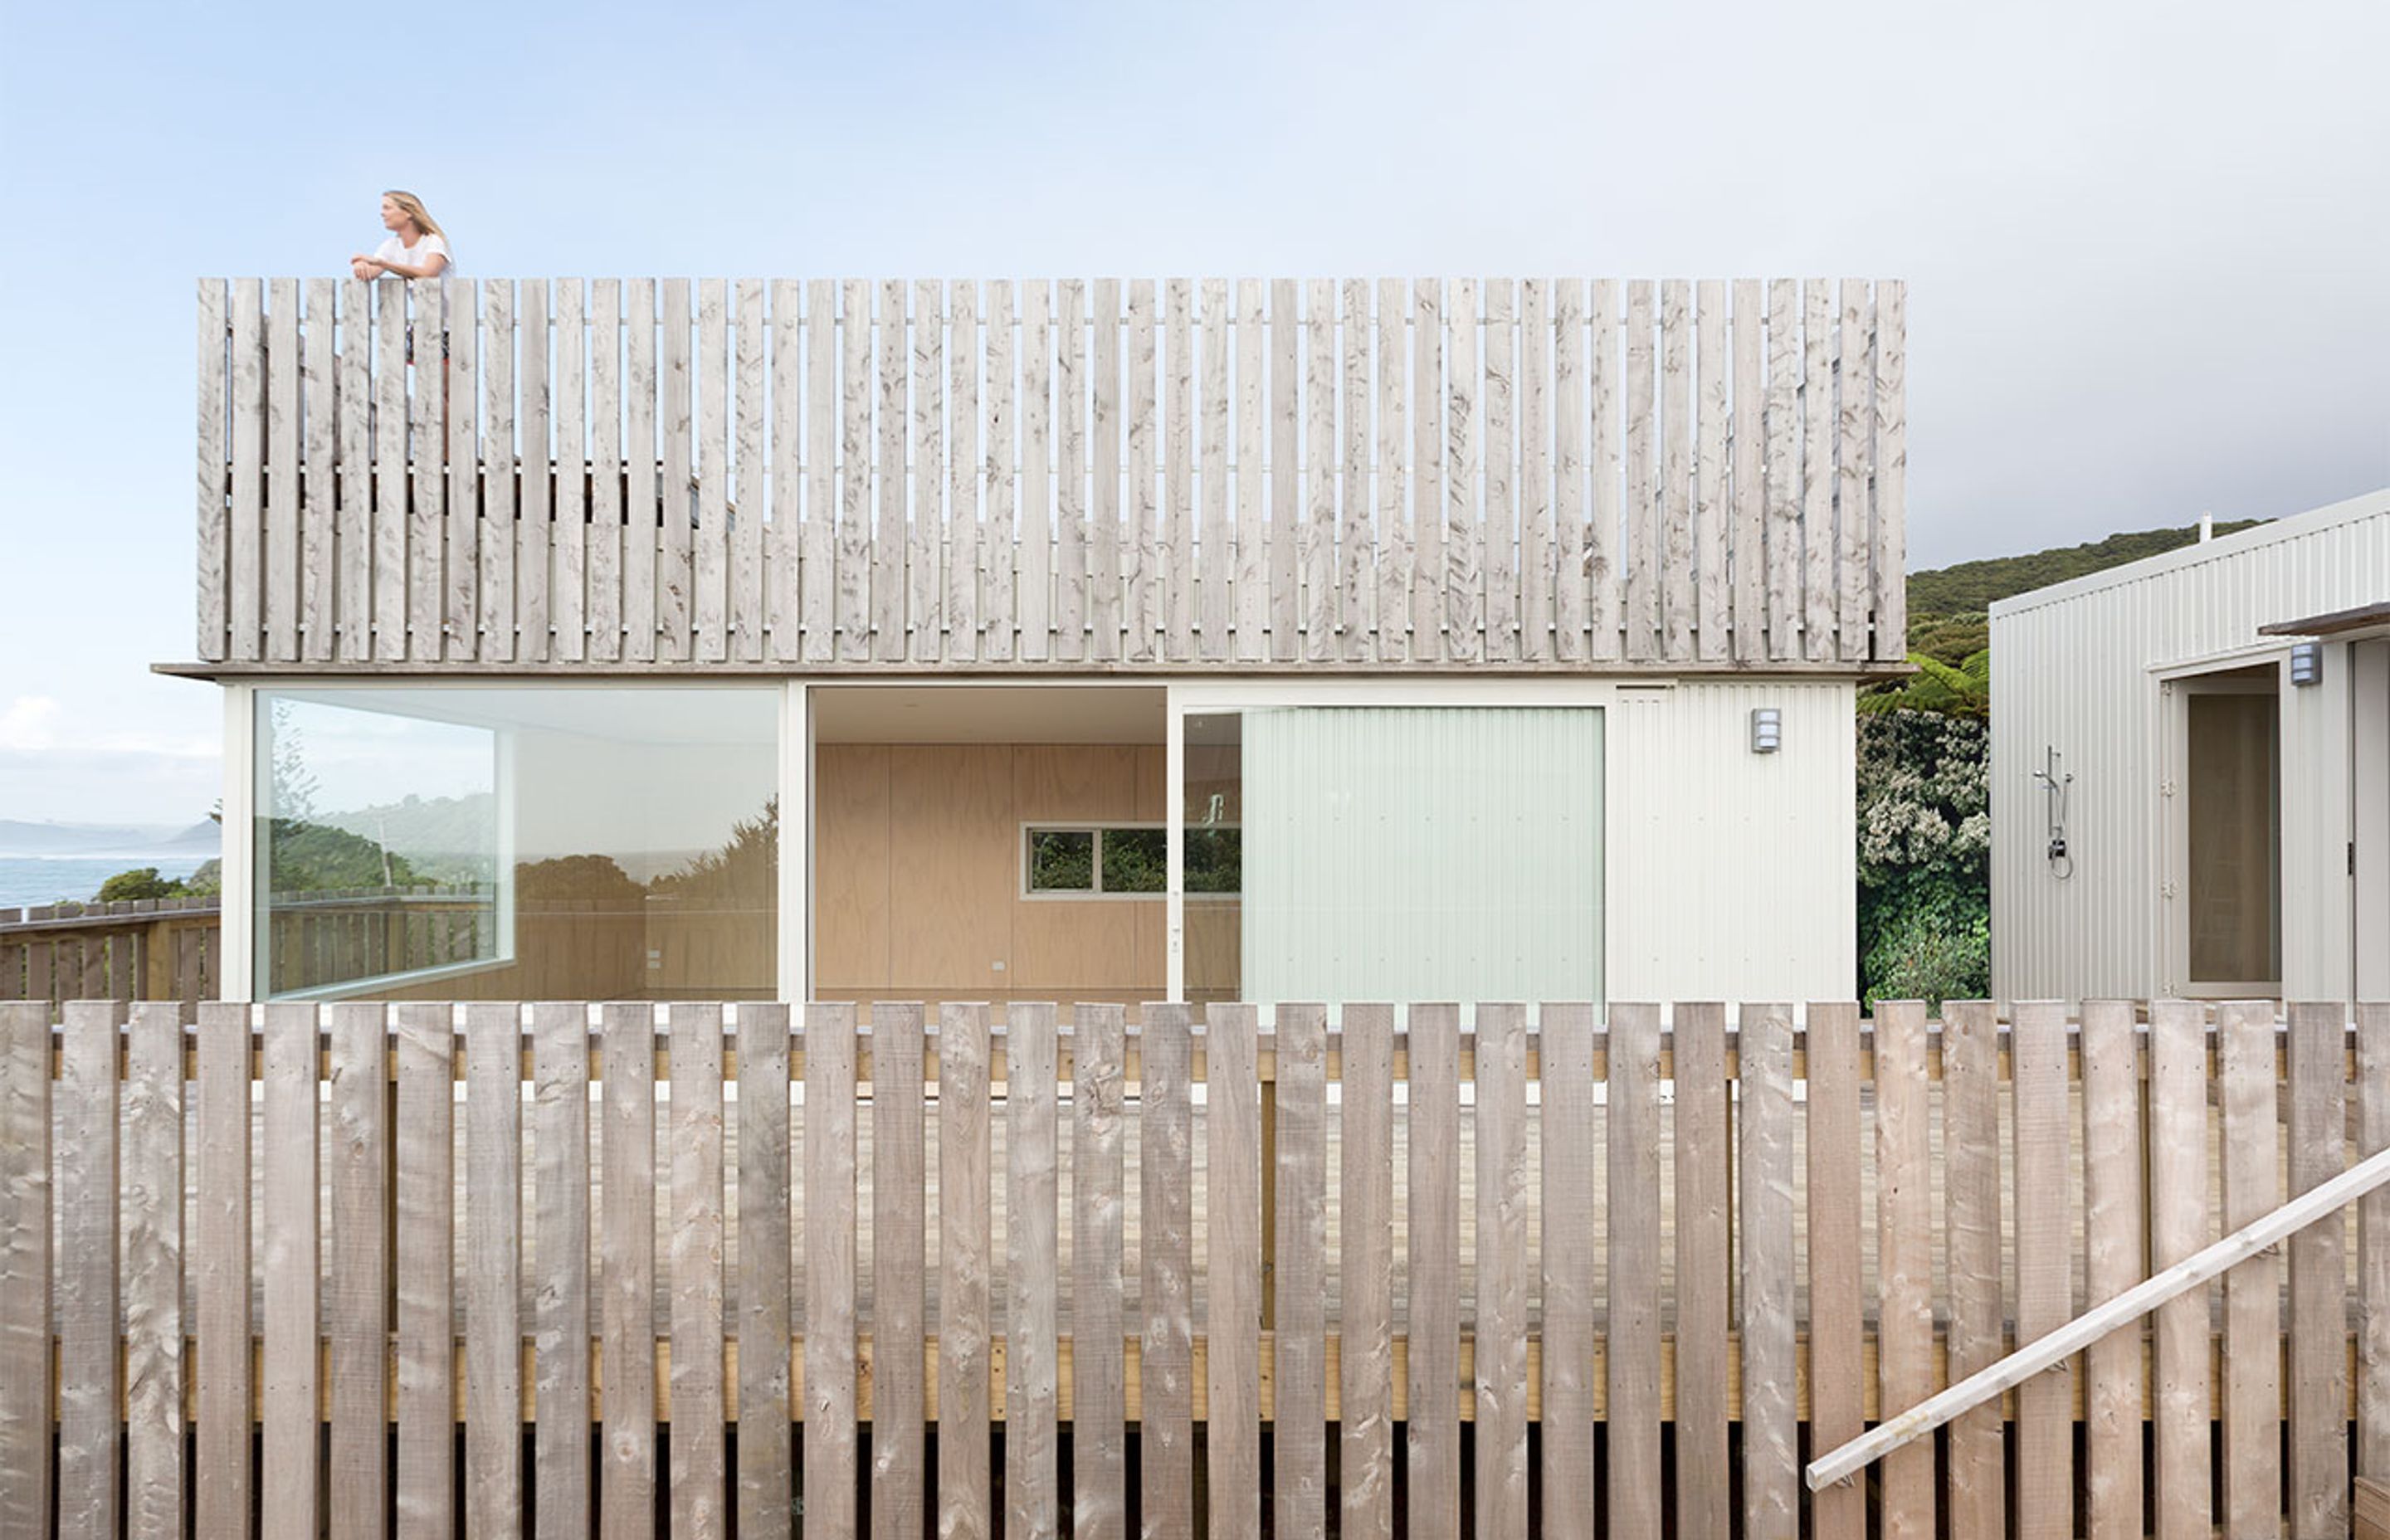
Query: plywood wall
(917, 873)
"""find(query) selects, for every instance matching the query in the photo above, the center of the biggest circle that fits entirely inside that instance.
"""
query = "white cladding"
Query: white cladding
(2084, 668)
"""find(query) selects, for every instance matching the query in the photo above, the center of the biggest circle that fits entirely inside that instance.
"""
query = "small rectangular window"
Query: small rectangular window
(1061, 861)
(1125, 861)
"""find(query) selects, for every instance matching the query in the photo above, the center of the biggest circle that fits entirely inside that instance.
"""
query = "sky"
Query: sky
(2148, 245)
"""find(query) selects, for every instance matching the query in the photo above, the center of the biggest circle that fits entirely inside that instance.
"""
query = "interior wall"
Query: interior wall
(917, 873)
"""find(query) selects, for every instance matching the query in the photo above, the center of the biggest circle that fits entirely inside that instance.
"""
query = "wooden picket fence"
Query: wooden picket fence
(1430, 473)
(127, 949)
(1685, 1251)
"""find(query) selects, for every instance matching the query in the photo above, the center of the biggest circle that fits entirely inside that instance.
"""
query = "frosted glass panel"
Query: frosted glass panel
(1421, 855)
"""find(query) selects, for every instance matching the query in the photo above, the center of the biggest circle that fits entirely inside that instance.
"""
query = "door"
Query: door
(2370, 821)
(2225, 889)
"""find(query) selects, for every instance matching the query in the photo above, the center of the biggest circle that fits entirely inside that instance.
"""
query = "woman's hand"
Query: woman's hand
(362, 266)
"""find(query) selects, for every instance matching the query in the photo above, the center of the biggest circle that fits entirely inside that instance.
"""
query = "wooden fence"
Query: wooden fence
(635, 471)
(904, 1274)
(130, 949)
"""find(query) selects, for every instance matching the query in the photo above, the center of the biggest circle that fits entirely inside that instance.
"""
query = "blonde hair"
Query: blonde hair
(412, 207)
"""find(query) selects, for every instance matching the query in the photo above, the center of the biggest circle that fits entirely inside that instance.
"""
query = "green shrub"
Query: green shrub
(1924, 856)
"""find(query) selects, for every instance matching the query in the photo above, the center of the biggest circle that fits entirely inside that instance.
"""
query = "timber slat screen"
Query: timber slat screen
(1453, 1216)
(601, 473)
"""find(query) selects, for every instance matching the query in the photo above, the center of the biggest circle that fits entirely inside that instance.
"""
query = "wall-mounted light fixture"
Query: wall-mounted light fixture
(2306, 663)
(1766, 729)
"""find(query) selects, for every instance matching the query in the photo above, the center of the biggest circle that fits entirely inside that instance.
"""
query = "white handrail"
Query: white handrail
(2088, 1328)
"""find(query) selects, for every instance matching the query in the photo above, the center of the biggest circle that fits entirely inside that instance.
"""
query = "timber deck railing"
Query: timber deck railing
(612, 472)
(1720, 1242)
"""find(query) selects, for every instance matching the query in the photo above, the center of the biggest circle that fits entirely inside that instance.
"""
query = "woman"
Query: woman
(417, 248)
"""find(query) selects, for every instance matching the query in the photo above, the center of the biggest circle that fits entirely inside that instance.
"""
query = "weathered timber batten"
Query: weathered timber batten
(1158, 476)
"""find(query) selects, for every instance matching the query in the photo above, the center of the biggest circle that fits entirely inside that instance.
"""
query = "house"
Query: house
(1090, 641)
(2190, 770)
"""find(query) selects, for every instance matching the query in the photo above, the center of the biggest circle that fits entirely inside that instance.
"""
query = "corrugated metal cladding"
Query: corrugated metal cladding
(2082, 668)
(1732, 874)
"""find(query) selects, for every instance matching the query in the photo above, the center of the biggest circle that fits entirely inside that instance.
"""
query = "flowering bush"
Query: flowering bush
(1924, 856)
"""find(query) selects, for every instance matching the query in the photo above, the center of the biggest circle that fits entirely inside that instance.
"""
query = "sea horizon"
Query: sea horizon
(29, 880)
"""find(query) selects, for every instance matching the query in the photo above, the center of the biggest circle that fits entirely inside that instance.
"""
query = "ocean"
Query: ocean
(26, 880)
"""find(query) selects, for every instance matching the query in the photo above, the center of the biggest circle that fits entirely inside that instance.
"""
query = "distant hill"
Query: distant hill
(1949, 606)
(21, 838)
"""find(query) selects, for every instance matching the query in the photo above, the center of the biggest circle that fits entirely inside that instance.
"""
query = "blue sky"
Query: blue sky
(2145, 242)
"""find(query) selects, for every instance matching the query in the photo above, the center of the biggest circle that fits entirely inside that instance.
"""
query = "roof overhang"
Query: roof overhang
(2340, 626)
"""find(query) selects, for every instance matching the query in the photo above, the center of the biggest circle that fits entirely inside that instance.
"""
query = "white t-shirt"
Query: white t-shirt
(416, 255)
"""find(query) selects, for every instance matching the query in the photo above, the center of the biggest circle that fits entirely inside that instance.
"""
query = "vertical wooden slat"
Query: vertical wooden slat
(427, 1267)
(560, 1299)
(1318, 538)
(390, 449)
(709, 470)
(1356, 601)
(1501, 1272)
(1366, 1202)
(1855, 388)
(2319, 1320)
(1141, 561)
(1764, 1216)
(1103, 581)
(1463, 533)
(319, 527)
(25, 1235)
(1746, 488)
(570, 612)
(679, 602)
(1070, 407)
(1703, 1252)
(1818, 469)
(792, 539)
(1783, 473)
(2044, 1419)
(153, 1271)
(1285, 473)
(289, 1496)
(1537, 535)
(856, 551)
(1034, 599)
(642, 523)
(1099, 1392)
(1302, 1232)
(1891, 555)
(214, 526)
(2179, 1226)
(889, 533)
(220, 1262)
(963, 472)
(283, 469)
(1573, 1229)
(2374, 1246)
(535, 523)
(428, 460)
(90, 1435)
(830, 1475)
(1426, 468)
(963, 1198)
(1710, 621)
(2252, 1363)
(496, 532)
(897, 1245)
(1433, 1180)
(1032, 1502)
(627, 1252)
(246, 562)
(1394, 532)
(614, 546)
(1971, 1142)
(359, 1310)
(1165, 1209)
(1568, 556)
(824, 572)
(1643, 555)
(494, 1271)
(1233, 1196)
(2112, 1243)
(1255, 550)
(1178, 576)
(1904, 1231)
(925, 529)
(999, 604)
(698, 1475)
(460, 604)
(766, 1476)
(352, 450)
(1216, 536)
(1601, 573)
(1676, 550)
(1839, 1513)
(1500, 559)
(1633, 1234)
(746, 477)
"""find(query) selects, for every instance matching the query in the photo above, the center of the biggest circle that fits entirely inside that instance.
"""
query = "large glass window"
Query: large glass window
(517, 843)
(1394, 854)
